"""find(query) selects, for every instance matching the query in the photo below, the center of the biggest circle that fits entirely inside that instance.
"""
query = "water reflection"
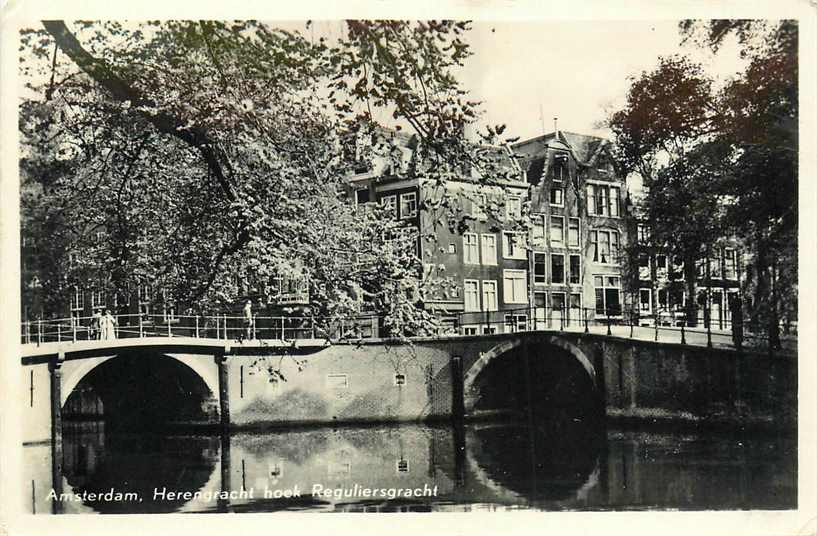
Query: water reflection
(413, 468)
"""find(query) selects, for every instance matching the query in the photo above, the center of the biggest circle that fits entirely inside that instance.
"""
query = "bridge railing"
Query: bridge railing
(223, 326)
(664, 327)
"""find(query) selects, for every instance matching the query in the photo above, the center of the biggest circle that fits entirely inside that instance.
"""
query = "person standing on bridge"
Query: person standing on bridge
(107, 326)
(96, 325)
(248, 319)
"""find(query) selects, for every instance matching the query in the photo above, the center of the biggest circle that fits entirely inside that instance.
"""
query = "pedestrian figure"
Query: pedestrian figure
(96, 325)
(108, 326)
(248, 318)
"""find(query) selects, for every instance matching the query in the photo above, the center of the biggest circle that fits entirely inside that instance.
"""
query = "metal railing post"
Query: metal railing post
(656, 327)
(28, 332)
(562, 318)
(73, 330)
(283, 334)
(632, 321)
(609, 331)
(197, 326)
(141, 327)
(586, 326)
(39, 331)
(312, 318)
(226, 334)
(167, 320)
(709, 334)
(683, 333)
(254, 319)
(59, 331)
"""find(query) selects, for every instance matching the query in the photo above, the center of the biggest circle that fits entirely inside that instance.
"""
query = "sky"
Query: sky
(527, 73)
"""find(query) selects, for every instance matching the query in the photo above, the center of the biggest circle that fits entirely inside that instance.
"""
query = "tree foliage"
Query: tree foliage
(721, 160)
(207, 157)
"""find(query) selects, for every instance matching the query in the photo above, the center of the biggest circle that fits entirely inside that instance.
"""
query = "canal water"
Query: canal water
(479, 466)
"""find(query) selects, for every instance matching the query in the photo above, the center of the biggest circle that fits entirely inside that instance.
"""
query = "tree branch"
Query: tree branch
(120, 90)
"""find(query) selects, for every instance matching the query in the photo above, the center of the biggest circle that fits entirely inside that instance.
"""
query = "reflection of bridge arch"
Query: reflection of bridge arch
(74, 371)
(470, 394)
(520, 462)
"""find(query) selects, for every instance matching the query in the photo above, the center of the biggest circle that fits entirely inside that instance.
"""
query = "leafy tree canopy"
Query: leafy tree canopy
(207, 156)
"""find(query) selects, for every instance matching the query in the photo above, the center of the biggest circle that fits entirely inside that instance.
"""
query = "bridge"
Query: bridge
(214, 372)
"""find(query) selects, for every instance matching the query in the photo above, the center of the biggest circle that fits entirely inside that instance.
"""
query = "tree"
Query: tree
(209, 155)
(733, 148)
(664, 134)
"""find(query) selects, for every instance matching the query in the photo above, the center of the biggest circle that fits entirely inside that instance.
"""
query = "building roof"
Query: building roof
(584, 148)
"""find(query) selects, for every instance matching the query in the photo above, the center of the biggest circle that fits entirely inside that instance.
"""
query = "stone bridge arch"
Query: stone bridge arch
(74, 371)
(470, 394)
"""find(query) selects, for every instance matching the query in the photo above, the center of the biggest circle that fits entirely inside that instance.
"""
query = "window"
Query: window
(574, 233)
(608, 292)
(337, 381)
(730, 259)
(513, 245)
(603, 200)
(489, 249)
(77, 304)
(539, 230)
(557, 197)
(452, 249)
(471, 287)
(478, 205)
(470, 249)
(557, 269)
(575, 269)
(575, 305)
(399, 379)
(661, 262)
(402, 466)
(515, 286)
(513, 208)
(715, 267)
(489, 302)
(362, 196)
(560, 172)
(514, 323)
(77, 299)
(408, 205)
(389, 202)
(605, 246)
(539, 268)
(614, 202)
(97, 298)
(645, 300)
(643, 234)
(557, 231)
(557, 303)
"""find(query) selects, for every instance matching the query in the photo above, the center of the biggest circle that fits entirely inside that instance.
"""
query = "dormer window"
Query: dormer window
(560, 171)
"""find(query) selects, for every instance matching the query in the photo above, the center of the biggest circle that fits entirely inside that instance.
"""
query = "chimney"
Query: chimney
(556, 126)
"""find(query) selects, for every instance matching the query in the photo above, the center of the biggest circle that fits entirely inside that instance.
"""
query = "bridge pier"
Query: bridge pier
(55, 374)
(223, 390)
